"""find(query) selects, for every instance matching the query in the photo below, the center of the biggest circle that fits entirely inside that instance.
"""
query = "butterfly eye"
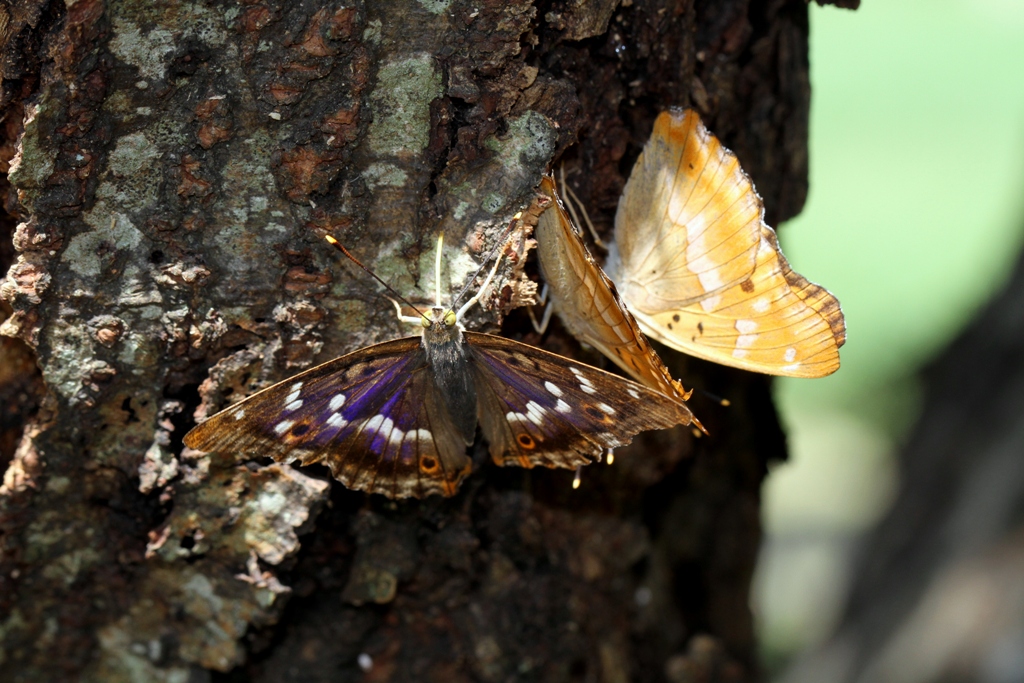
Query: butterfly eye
(425, 321)
(449, 318)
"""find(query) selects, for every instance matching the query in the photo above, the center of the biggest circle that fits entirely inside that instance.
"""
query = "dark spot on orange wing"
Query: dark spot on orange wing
(675, 317)
(428, 463)
(691, 166)
(700, 327)
(526, 441)
(669, 325)
(300, 429)
(747, 286)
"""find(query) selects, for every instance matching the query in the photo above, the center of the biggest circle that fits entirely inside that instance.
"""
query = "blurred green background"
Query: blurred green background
(914, 220)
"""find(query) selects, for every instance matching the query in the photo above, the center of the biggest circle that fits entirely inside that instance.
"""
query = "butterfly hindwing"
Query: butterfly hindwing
(776, 321)
(538, 408)
(373, 416)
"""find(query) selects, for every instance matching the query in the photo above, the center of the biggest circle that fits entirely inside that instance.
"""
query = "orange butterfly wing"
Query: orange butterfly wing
(775, 322)
(702, 272)
(586, 300)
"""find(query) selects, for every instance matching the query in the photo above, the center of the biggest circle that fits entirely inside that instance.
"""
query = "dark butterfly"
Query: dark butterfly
(395, 418)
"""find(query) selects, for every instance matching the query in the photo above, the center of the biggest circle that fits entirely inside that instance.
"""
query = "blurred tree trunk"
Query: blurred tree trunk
(173, 168)
(938, 594)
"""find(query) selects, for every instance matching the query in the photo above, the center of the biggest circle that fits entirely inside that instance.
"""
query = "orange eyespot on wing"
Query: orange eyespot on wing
(703, 273)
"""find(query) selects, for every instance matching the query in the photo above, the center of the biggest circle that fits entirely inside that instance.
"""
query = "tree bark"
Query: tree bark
(173, 168)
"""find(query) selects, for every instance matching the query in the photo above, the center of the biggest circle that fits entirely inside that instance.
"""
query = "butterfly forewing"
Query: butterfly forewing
(372, 416)
(688, 223)
(587, 302)
(538, 408)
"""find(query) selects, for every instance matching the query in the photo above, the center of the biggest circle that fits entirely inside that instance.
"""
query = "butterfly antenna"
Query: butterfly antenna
(335, 243)
(714, 397)
(500, 243)
(437, 271)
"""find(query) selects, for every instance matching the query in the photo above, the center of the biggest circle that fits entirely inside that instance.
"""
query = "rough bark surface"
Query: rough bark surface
(173, 168)
(938, 594)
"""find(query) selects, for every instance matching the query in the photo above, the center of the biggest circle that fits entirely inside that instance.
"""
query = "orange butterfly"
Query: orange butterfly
(698, 267)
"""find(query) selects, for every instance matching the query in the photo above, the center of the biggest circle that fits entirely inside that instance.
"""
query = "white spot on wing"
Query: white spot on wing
(711, 303)
(791, 368)
(283, 426)
(336, 420)
(294, 393)
(789, 355)
(240, 413)
(379, 423)
(337, 402)
(420, 435)
(761, 305)
(606, 408)
(746, 326)
(632, 392)
(562, 407)
(553, 388)
(706, 271)
(579, 374)
(585, 383)
(535, 413)
(745, 341)
(294, 405)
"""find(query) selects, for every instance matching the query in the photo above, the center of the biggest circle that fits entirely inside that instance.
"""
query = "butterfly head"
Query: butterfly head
(441, 324)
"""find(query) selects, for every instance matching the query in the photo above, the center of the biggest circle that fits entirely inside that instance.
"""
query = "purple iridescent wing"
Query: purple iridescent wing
(372, 416)
(538, 408)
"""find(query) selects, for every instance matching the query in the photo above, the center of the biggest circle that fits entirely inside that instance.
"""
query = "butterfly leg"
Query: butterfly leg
(570, 200)
(410, 319)
(542, 326)
(483, 288)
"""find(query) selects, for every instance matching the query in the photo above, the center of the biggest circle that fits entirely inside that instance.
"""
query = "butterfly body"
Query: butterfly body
(445, 353)
(395, 418)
